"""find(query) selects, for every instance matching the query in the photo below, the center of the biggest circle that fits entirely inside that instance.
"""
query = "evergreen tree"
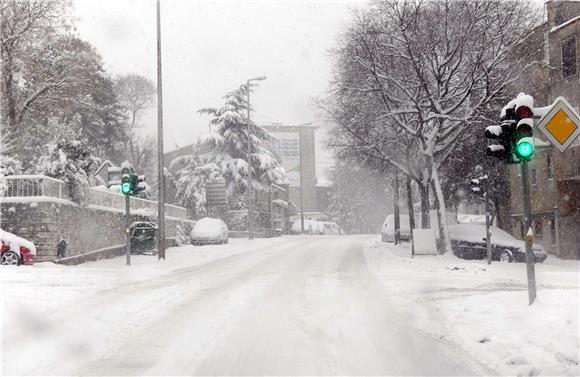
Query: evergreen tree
(232, 136)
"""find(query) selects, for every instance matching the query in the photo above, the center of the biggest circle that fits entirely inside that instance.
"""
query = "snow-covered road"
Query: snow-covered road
(290, 306)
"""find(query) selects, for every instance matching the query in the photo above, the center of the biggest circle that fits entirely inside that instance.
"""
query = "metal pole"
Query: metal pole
(411, 215)
(338, 195)
(486, 210)
(249, 192)
(160, 166)
(301, 180)
(527, 221)
(127, 226)
(396, 210)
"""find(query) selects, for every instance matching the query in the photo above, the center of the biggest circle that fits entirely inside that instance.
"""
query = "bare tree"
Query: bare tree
(137, 94)
(428, 69)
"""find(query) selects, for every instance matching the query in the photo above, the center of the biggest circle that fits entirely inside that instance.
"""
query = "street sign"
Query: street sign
(215, 193)
(561, 125)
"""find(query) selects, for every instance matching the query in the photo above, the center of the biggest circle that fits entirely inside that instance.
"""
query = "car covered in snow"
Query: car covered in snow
(143, 237)
(468, 242)
(209, 231)
(330, 227)
(15, 250)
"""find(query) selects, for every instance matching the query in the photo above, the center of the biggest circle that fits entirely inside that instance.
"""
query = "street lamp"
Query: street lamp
(249, 191)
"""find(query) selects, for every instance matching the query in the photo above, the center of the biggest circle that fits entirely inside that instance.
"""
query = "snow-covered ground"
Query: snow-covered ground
(300, 305)
(485, 308)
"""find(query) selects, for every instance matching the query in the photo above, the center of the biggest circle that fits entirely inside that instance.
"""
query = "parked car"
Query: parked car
(143, 237)
(468, 242)
(15, 250)
(209, 231)
(316, 227)
(388, 227)
(329, 227)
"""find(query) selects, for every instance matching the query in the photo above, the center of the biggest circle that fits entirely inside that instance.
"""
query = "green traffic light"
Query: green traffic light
(126, 188)
(525, 150)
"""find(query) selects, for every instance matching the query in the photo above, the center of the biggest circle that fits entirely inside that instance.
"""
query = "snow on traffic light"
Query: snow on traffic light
(513, 138)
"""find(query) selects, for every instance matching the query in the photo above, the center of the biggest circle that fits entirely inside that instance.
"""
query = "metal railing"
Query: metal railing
(40, 185)
(34, 185)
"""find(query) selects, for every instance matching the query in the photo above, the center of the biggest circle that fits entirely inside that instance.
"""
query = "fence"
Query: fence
(40, 185)
(34, 185)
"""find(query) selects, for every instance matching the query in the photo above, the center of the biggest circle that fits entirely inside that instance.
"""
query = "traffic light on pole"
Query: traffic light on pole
(524, 136)
(126, 187)
(138, 183)
(502, 134)
(514, 136)
(476, 186)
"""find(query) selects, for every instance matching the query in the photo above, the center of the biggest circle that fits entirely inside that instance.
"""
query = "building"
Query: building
(554, 176)
(295, 146)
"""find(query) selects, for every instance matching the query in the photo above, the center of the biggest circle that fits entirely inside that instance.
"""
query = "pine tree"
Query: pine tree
(228, 145)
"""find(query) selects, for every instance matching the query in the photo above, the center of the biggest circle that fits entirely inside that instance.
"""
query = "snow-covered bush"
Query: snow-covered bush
(8, 166)
(191, 179)
(183, 231)
(70, 159)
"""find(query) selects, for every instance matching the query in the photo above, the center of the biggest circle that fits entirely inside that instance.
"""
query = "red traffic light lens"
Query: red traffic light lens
(524, 112)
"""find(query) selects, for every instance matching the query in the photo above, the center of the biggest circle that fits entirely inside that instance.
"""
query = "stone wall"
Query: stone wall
(46, 221)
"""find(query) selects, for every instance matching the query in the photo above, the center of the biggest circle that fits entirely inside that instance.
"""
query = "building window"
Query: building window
(534, 177)
(549, 171)
(569, 57)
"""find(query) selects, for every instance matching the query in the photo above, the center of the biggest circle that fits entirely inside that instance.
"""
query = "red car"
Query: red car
(15, 250)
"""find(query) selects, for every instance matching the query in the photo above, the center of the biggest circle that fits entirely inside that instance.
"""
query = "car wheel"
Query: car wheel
(505, 257)
(10, 258)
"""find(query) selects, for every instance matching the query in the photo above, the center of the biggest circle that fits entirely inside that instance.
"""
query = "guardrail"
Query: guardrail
(40, 185)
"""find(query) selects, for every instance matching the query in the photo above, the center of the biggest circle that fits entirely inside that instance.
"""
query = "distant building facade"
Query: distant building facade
(554, 176)
(292, 144)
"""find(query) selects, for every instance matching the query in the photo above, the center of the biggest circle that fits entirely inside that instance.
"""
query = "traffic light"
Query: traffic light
(126, 187)
(514, 136)
(524, 140)
(503, 134)
(475, 186)
(138, 183)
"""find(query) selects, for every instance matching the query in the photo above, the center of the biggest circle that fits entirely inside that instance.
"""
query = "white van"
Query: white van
(388, 228)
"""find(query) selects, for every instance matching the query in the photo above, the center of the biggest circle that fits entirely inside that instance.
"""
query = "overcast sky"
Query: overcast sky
(210, 48)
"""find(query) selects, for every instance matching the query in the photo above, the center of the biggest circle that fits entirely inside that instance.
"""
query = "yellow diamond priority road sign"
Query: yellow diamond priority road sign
(561, 125)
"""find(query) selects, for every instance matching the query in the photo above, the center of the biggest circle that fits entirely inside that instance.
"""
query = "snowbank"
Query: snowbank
(485, 307)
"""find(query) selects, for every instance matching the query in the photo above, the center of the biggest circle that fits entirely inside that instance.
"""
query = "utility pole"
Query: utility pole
(396, 210)
(487, 224)
(249, 198)
(160, 166)
(128, 230)
(530, 259)
(301, 180)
